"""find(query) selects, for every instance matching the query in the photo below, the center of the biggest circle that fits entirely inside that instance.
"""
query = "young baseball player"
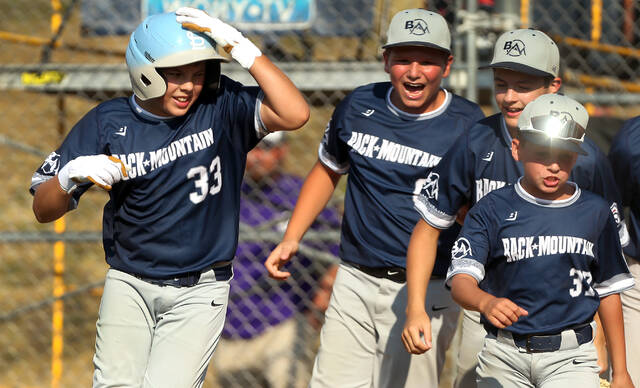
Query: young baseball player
(525, 65)
(387, 137)
(538, 258)
(625, 159)
(172, 157)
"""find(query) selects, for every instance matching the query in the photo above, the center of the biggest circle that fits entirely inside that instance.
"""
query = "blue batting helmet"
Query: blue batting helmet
(160, 41)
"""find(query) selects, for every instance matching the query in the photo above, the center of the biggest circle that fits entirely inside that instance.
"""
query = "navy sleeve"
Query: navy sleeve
(625, 163)
(240, 106)
(470, 252)
(448, 186)
(598, 177)
(83, 139)
(610, 272)
(333, 152)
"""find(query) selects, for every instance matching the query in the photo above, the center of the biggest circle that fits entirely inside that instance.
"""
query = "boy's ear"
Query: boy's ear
(385, 58)
(555, 85)
(515, 148)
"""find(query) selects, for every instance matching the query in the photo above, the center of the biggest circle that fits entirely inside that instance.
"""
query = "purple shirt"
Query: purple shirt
(254, 302)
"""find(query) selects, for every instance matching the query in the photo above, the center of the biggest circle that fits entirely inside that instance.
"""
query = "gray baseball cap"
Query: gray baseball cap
(556, 121)
(419, 27)
(527, 51)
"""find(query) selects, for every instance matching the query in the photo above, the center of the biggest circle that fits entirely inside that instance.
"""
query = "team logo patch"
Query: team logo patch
(514, 48)
(461, 249)
(51, 164)
(416, 27)
(430, 187)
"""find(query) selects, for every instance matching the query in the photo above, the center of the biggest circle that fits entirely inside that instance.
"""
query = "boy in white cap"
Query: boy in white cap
(525, 66)
(387, 136)
(538, 258)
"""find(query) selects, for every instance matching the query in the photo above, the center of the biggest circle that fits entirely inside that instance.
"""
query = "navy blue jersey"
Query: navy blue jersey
(480, 161)
(555, 259)
(178, 209)
(387, 153)
(625, 160)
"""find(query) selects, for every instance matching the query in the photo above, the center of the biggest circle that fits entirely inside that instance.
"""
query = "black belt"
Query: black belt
(190, 279)
(547, 342)
(396, 274)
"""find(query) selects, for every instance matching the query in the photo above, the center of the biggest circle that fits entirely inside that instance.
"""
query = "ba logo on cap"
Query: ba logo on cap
(416, 27)
(514, 48)
(564, 117)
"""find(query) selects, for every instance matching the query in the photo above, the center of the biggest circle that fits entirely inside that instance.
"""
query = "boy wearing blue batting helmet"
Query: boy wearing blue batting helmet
(172, 157)
(538, 258)
(386, 136)
(525, 65)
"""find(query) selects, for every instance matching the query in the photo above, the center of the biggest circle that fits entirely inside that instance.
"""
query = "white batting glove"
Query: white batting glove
(226, 36)
(102, 170)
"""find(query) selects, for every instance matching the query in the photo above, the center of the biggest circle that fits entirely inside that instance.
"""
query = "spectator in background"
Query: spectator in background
(264, 338)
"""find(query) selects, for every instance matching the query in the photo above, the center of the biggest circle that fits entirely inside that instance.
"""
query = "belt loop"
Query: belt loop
(569, 340)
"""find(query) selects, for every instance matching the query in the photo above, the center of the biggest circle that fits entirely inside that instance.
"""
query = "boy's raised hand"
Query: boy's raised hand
(225, 35)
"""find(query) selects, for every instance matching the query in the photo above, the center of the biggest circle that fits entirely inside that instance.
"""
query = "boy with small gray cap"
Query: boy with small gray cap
(525, 66)
(538, 258)
(387, 136)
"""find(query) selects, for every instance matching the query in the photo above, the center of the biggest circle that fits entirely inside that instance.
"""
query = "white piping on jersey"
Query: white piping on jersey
(419, 116)
(143, 112)
(261, 129)
(328, 160)
(546, 202)
(430, 214)
(616, 284)
(505, 131)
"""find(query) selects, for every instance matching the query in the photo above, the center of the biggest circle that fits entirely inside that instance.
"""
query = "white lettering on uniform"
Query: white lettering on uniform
(519, 248)
(135, 162)
(485, 186)
(368, 146)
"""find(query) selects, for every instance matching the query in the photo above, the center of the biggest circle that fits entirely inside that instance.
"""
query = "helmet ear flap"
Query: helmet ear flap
(212, 76)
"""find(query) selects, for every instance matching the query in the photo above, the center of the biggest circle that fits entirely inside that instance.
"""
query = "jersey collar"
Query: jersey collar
(505, 131)
(419, 116)
(546, 202)
(138, 109)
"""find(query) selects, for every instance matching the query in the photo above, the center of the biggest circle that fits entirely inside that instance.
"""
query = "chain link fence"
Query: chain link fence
(61, 57)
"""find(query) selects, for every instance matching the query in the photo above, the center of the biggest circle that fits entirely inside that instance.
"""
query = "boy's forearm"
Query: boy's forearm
(466, 293)
(284, 107)
(610, 312)
(50, 202)
(316, 191)
(421, 257)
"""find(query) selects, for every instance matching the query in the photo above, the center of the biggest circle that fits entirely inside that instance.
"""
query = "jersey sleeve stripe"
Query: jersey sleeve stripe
(465, 266)
(623, 233)
(614, 285)
(328, 160)
(261, 129)
(431, 215)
